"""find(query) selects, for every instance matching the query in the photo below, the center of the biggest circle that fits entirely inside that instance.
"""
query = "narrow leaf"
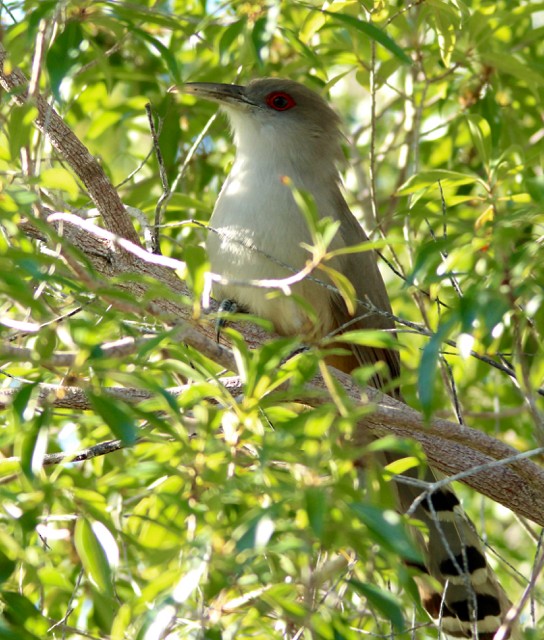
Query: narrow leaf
(316, 508)
(93, 557)
(372, 32)
(426, 179)
(370, 338)
(387, 529)
(345, 288)
(116, 416)
(383, 601)
(480, 132)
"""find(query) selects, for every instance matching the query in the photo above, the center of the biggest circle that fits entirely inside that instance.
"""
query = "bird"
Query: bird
(288, 139)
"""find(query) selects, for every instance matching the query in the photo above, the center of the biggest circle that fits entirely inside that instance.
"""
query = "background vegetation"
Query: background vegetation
(265, 532)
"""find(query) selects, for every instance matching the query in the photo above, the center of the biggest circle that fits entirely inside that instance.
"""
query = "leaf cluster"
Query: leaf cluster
(223, 513)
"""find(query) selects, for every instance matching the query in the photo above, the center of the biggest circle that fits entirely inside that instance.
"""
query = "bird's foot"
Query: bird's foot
(225, 307)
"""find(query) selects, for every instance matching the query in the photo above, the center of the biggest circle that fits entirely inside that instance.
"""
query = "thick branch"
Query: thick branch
(98, 246)
(450, 448)
(77, 155)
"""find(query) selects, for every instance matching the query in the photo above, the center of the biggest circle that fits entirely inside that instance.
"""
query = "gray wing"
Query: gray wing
(363, 273)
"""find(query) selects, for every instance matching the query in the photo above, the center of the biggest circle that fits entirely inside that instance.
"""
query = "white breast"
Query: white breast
(257, 234)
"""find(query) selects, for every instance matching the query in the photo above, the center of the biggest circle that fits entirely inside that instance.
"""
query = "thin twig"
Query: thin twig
(372, 159)
(101, 449)
(155, 246)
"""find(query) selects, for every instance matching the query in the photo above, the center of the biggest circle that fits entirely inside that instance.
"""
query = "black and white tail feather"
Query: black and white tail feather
(470, 602)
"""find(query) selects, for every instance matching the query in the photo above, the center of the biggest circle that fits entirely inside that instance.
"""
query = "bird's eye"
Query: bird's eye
(280, 101)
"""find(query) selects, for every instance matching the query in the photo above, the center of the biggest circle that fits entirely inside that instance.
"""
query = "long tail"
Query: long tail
(471, 603)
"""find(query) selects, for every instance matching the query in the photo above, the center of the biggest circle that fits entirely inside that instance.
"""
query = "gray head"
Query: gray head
(278, 117)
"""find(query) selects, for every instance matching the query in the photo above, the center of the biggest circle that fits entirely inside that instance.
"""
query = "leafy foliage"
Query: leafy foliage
(267, 530)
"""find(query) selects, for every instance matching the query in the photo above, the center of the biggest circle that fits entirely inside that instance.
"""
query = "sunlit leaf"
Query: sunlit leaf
(372, 32)
(426, 179)
(481, 136)
(92, 556)
(59, 178)
(19, 610)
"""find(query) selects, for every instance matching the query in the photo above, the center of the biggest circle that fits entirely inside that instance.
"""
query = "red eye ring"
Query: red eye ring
(280, 101)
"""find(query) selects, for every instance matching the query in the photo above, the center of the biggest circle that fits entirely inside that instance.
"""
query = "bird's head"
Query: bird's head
(279, 117)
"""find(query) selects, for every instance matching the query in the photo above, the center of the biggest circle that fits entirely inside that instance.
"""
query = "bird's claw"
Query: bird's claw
(225, 307)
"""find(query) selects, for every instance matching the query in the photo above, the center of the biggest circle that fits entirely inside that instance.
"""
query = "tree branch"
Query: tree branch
(486, 464)
(77, 155)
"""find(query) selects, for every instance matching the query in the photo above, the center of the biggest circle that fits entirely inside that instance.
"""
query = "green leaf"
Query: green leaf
(512, 65)
(34, 442)
(7, 633)
(312, 24)
(257, 533)
(165, 53)
(183, 201)
(102, 123)
(42, 10)
(63, 55)
(535, 187)
(59, 178)
(286, 597)
(372, 32)
(307, 206)
(387, 529)
(425, 179)
(21, 400)
(23, 614)
(345, 288)
(241, 353)
(316, 507)
(402, 465)
(93, 557)
(196, 261)
(7, 566)
(445, 30)
(229, 35)
(370, 338)
(446, 8)
(21, 127)
(9, 466)
(117, 416)
(261, 32)
(428, 365)
(361, 247)
(480, 132)
(383, 601)
(156, 621)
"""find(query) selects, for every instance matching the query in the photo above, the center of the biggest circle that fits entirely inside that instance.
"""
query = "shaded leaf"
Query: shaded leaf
(62, 56)
(387, 528)
(117, 416)
(383, 601)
